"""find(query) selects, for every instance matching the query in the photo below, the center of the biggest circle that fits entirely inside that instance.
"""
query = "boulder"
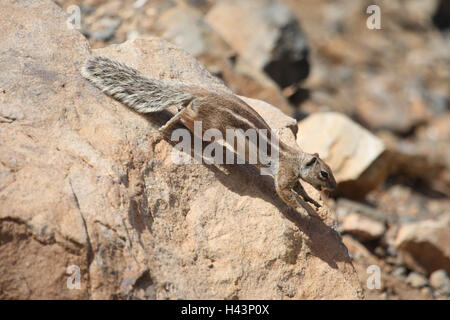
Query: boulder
(244, 79)
(356, 156)
(425, 245)
(89, 194)
(273, 116)
(363, 227)
(399, 110)
(400, 272)
(427, 159)
(266, 34)
(440, 281)
(187, 28)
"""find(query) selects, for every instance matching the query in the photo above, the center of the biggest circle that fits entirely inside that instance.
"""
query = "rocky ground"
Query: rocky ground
(373, 103)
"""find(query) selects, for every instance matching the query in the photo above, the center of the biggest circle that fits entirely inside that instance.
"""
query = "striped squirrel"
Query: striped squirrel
(220, 110)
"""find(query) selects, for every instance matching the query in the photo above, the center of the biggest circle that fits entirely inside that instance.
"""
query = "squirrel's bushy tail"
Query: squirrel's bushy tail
(130, 87)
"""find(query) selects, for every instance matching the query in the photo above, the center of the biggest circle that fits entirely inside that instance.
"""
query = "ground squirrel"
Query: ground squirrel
(220, 110)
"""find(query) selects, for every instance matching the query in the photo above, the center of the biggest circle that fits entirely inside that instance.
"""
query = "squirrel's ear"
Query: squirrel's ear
(312, 161)
(316, 155)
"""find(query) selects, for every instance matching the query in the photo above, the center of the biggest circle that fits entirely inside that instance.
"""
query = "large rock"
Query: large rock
(363, 227)
(425, 246)
(361, 160)
(266, 34)
(273, 116)
(427, 157)
(87, 182)
(395, 110)
(354, 154)
(186, 27)
(441, 16)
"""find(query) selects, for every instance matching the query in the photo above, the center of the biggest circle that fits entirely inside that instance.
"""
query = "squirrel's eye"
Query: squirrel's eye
(324, 174)
(311, 162)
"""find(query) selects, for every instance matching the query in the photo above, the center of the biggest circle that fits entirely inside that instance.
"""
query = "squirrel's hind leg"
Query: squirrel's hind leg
(174, 119)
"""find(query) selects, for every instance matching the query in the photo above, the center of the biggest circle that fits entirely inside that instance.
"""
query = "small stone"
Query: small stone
(395, 261)
(384, 296)
(440, 281)
(392, 251)
(416, 280)
(426, 291)
(399, 272)
(380, 251)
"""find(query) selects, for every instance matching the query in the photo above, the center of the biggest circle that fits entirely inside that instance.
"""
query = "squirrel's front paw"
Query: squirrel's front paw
(314, 202)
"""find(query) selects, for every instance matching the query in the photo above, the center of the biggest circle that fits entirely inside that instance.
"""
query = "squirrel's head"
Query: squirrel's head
(317, 173)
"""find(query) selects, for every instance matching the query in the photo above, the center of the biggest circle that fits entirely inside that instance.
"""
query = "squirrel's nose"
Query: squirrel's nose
(332, 184)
